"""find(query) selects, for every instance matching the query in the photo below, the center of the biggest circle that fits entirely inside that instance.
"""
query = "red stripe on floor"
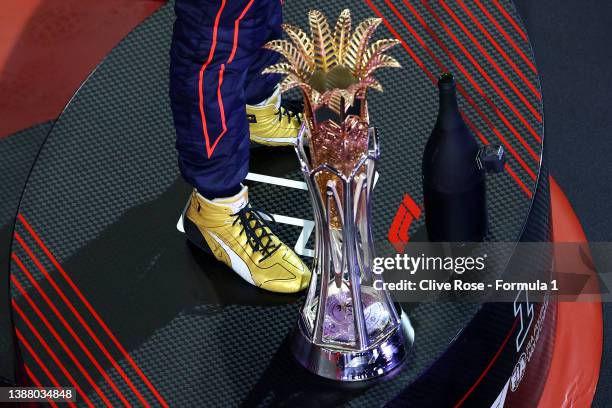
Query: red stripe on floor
(38, 384)
(504, 33)
(499, 49)
(95, 315)
(459, 87)
(487, 77)
(78, 316)
(511, 20)
(468, 76)
(53, 356)
(66, 325)
(534, 111)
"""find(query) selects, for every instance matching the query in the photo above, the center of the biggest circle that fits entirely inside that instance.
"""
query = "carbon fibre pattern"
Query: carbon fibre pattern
(105, 196)
(23, 147)
(18, 154)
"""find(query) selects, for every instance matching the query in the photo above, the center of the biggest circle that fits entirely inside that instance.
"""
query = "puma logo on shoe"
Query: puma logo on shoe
(238, 265)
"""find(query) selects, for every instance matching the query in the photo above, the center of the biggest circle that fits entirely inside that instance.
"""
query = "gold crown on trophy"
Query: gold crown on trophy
(334, 71)
(331, 69)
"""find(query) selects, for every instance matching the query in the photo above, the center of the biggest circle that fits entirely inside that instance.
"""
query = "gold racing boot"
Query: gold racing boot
(235, 234)
(275, 122)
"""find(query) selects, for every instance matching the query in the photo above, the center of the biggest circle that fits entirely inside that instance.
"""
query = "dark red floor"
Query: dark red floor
(48, 47)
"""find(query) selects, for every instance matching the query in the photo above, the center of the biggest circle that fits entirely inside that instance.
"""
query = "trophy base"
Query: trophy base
(347, 365)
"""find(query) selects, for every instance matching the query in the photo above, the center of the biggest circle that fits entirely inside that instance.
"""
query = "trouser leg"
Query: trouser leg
(260, 87)
(215, 45)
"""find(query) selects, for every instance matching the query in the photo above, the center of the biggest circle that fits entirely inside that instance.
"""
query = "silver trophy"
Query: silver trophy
(347, 330)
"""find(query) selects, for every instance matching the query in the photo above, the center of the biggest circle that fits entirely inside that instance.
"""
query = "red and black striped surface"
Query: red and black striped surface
(482, 43)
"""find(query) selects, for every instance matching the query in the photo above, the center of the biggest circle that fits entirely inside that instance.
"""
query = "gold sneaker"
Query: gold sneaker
(239, 236)
(275, 122)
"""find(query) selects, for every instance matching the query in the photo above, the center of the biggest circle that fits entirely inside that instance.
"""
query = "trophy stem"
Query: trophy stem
(350, 244)
(348, 330)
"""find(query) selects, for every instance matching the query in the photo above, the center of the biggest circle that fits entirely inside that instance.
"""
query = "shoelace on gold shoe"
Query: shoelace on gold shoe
(252, 223)
(290, 109)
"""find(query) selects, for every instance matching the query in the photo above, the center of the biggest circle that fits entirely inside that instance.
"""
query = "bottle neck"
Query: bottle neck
(448, 111)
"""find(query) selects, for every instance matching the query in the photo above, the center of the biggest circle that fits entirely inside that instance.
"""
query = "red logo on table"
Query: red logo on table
(407, 212)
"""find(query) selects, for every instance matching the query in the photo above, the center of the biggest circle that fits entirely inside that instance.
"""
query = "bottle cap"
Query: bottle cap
(446, 81)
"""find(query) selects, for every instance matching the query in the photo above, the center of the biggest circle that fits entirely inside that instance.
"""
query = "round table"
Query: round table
(110, 298)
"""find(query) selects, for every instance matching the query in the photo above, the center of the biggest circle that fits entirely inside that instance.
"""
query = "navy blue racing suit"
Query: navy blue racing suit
(215, 70)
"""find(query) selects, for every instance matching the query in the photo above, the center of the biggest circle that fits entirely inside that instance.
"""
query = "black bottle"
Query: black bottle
(453, 177)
